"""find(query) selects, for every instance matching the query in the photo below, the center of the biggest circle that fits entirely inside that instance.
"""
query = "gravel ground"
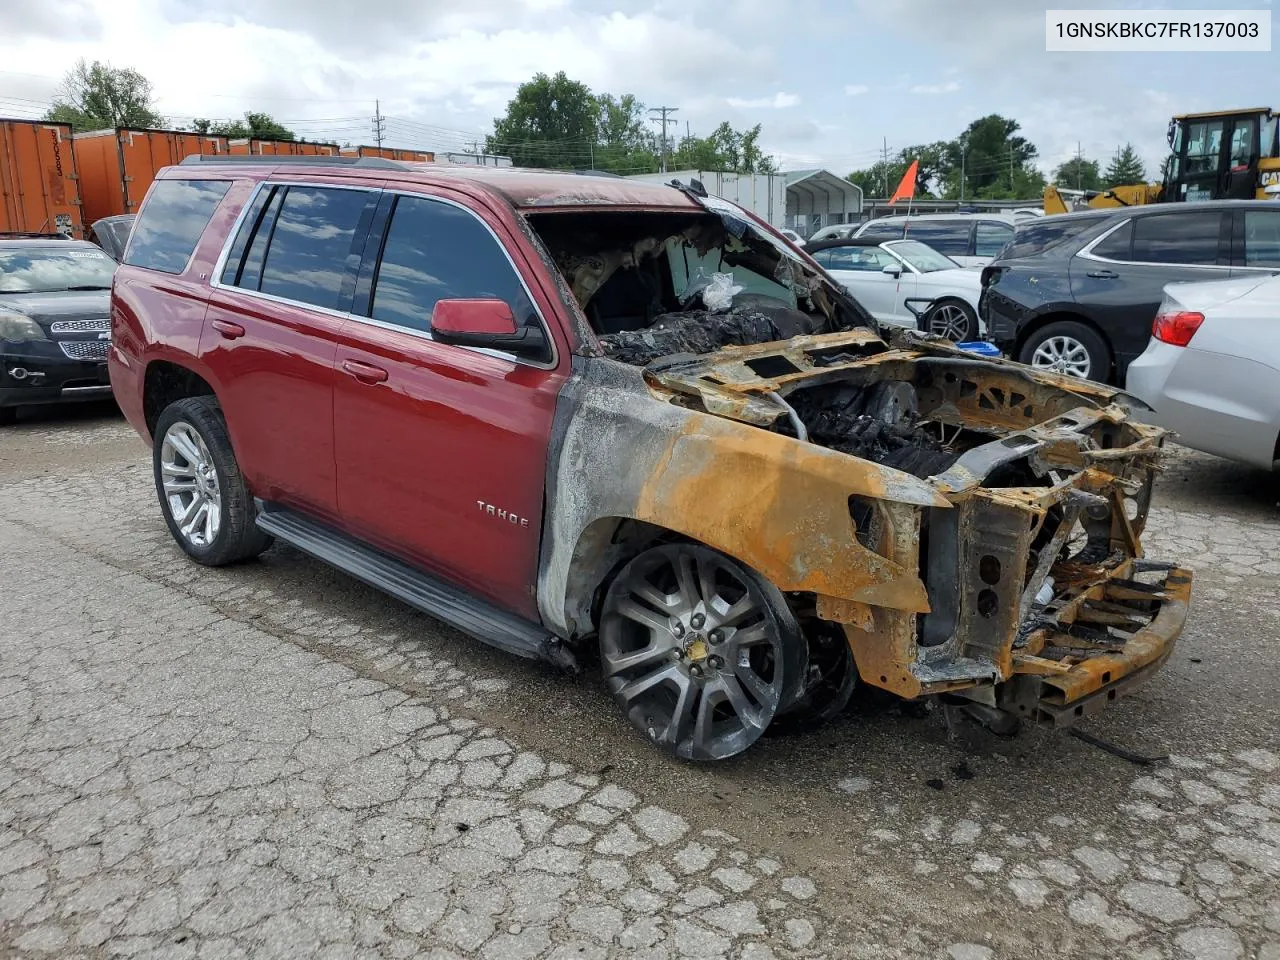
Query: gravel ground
(274, 761)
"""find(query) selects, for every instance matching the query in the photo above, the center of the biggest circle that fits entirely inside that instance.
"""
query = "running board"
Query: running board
(460, 610)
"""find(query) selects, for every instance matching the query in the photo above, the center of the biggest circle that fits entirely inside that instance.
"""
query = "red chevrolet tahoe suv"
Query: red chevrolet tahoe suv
(562, 412)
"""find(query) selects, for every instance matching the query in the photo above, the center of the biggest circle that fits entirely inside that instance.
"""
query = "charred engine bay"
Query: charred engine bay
(640, 279)
(879, 423)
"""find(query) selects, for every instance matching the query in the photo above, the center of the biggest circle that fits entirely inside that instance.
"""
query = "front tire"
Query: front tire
(202, 492)
(1069, 348)
(699, 651)
(953, 319)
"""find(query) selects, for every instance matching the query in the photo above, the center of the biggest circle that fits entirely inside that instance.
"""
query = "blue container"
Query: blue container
(980, 347)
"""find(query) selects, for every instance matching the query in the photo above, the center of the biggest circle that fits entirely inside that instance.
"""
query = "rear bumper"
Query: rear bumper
(1120, 633)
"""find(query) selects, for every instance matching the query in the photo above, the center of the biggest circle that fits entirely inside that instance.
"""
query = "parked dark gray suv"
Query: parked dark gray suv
(1077, 293)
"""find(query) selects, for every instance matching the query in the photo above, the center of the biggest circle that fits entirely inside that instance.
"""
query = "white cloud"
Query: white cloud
(779, 101)
(950, 86)
(856, 89)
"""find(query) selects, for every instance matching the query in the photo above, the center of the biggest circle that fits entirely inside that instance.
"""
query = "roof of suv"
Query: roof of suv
(1146, 210)
(1004, 217)
(523, 188)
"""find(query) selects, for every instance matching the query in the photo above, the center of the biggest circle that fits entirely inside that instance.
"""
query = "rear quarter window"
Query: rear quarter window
(1044, 234)
(171, 222)
(950, 237)
(882, 231)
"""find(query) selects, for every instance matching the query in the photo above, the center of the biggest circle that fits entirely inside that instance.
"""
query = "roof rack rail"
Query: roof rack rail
(380, 163)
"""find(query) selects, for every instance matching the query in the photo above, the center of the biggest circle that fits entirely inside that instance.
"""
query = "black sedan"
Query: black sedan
(55, 298)
(1077, 293)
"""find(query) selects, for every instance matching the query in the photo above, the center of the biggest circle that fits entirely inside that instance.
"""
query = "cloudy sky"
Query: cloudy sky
(829, 80)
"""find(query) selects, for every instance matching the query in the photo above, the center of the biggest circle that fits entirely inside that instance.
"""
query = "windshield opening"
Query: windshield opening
(652, 284)
(40, 270)
(922, 256)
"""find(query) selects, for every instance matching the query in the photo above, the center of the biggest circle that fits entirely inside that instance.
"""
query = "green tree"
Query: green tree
(551, 122)
(997, 163)
(624, 143)
(724, 149)
(96, 96)
(1078, 174)
(254, 125)
(1125, 168)
(879, 179)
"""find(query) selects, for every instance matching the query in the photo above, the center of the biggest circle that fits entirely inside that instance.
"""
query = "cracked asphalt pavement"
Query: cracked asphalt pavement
(272, 760)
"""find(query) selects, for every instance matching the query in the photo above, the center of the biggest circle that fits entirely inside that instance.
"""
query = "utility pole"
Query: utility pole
(1078, 163)
(884, 165)
(664, 121)
(1011, 190)
(378, 121)
(964, 148)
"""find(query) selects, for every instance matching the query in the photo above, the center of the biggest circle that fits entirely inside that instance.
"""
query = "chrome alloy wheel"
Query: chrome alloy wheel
(949, 320)
(1063, 354)
(191, 488)
(692, 652)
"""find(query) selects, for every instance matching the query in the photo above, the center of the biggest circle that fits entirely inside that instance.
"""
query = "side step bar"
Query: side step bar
(460, 610)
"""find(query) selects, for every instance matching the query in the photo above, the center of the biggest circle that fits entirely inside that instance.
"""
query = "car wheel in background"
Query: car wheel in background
(202, 493)
(1069, 348)
(953, 319)
(700, 652)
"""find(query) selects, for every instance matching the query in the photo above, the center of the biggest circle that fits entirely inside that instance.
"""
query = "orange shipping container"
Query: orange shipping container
(391, 153)
(292, 148)
(38, 190)
(117, 166)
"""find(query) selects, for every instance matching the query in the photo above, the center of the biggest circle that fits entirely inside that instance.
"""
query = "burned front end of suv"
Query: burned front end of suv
(962, 527)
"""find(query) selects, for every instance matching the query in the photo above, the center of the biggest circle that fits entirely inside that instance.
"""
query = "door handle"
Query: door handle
(364, 372)
(228, 329)
(1104, 274)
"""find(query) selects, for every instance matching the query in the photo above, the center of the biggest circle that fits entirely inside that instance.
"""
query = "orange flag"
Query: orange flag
(907, 188)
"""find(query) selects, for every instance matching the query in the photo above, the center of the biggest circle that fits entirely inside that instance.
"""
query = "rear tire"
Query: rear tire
(1070, 348)
(953, 319)
(202, 492)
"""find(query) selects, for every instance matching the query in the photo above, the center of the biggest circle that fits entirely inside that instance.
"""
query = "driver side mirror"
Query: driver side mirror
(893, 270)
(486, 323)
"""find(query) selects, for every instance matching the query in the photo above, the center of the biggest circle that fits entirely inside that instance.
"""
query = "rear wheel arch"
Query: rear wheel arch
(166, 382)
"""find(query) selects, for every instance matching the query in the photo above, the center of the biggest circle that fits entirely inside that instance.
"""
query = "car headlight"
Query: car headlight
(18, 326)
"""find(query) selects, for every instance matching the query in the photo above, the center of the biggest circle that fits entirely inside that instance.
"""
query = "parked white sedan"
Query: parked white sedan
(1211, 371)
(890, 278)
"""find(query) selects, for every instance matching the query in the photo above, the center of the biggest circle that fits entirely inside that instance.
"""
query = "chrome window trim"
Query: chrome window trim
(215, 277)
(1086, 252)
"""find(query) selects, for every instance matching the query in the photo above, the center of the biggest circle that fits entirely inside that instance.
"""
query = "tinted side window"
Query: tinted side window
(989, 237)
(883, 231)
(1262, 238)
(950, 237)
(1042, 234)
(313, 235)
(436, 251)
(1117, 245)
(1177, 238)
(169, 226)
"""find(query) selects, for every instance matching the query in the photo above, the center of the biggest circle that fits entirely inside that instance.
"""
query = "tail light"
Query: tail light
(1176, 326)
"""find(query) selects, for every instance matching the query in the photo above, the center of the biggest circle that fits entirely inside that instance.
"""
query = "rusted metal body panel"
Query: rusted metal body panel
(39, 191)
(281, 148)
(390, 153)
(987, 607)
(118, 166)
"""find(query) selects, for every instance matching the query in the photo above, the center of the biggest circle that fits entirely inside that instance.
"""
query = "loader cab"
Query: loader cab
(1227, 155)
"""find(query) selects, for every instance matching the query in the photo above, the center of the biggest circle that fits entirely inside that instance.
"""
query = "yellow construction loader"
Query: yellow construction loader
(1225, 155)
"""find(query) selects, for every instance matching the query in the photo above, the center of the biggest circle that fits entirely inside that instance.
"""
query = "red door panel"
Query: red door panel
(442, 456)
(278, 359)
